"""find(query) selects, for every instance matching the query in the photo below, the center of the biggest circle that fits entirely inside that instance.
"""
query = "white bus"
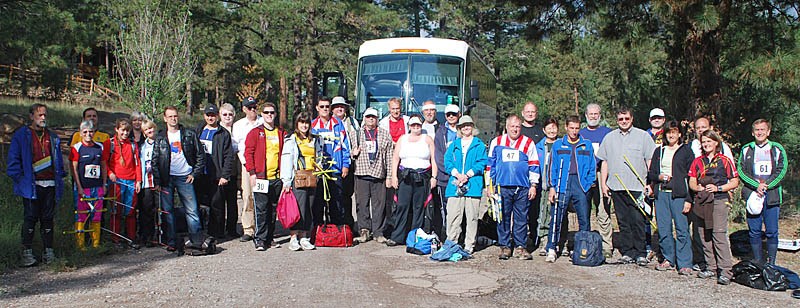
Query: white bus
(420, 69)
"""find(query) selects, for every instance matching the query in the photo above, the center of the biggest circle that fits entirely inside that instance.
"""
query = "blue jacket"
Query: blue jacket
(475, 161)
(440, 147)
(336, 142)
(561, 157)
(20, 163)
(513, 163)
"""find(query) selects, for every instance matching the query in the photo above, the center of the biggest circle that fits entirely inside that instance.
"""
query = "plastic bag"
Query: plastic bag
(759, 276)
(288, 212)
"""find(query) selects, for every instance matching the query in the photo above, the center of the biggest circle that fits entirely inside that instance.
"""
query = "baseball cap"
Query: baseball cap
(371, 112)
(414, 120)
(211, 109)
(452, 109)
(429, 106)
(464, 121)
(248, 101)
(338, 101)
(657, 112)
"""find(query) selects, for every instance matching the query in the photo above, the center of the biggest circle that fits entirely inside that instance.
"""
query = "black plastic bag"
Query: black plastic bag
(759, 276)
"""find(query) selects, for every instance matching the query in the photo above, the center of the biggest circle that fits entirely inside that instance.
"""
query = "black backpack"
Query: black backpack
(588, 249)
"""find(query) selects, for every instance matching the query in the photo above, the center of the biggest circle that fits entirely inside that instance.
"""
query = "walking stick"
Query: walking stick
(651, 211)
(555, 221)
(637, 201)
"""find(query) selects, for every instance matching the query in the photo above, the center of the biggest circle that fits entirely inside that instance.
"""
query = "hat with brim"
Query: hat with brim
(451, 109)
(339, 101)
(755, 204)
(657, 112)
(371, 112)
(249, 101)
(414, 120)
(211, 109)
(465, 120)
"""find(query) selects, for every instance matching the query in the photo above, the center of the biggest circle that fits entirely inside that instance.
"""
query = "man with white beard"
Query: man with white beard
(595, 133)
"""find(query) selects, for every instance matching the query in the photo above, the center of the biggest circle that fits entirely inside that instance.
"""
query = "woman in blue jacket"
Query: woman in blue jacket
(464, 160)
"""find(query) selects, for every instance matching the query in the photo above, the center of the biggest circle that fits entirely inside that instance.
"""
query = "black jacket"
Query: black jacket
(192, 151)
(222, 149)
(679, 182)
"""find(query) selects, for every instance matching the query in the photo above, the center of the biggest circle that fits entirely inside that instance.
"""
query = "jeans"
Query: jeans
(515, 206)
(631, 224)
(769, 219)
(678, 250)
(410, 202)
(189, 200)
(42, 210)
(577, 197)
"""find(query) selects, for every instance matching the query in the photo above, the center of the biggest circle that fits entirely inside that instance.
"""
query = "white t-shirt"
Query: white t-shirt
(429, 129)
(177, 164)
(240, 130)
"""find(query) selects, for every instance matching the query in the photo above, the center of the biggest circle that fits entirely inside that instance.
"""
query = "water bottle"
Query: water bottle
(485, 241)
(434, 243)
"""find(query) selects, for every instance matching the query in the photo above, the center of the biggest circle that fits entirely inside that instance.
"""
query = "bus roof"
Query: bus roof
(435, 46)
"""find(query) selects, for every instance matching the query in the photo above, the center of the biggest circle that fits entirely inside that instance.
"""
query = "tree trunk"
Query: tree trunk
(189, 98)
(284, 102)
(417, 26)
(310, 89)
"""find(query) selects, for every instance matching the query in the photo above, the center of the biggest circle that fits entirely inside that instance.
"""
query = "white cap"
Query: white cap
(755, 204)
(371, 112)
(429, 106)
(338, 101)
(452, 109)
(414, 120)
(657, 112)
(465, 120)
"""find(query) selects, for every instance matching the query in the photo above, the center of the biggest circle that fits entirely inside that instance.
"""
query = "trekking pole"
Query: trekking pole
(556, 237)
(134, 187)
(628, 162)
(90, 215)
(637, 202)
(117, 234)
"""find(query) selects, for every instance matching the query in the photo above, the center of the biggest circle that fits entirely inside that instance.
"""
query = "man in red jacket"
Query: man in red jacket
(262, 154)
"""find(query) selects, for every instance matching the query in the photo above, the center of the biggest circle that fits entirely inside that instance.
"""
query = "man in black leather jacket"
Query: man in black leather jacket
(178, 158)
(216, 181)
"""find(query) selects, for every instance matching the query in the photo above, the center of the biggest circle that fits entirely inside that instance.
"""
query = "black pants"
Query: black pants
(631, 224)
(305, 200)
(371, 191)
(147, 210)
(348, 189)
(436, 212)
(231, 207)
(265, 212)
(410, 202)
(42, 210)
(333, 206)
(218, 198)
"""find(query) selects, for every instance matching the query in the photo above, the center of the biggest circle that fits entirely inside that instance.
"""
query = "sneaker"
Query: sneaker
(364, 236)
(696, 267)
(48, 256)
(625, 260)
(542, 251)
(134, 245)
(608, 254)
(664, 266)
(565, 252)
(391, 243)
(380, 239)
(723, 280)
(294, 245)
(469, 250)
(505, 253)
(650, 255)
(551, 256)
(522, 254)
(28, 259)
(275, 244)
(306, 244)
(642, 261)
(706, 274)
(260, 246)
(685, 271)
(246, 238)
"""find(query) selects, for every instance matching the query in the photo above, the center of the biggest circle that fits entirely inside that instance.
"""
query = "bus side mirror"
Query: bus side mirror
(334, 84)
(474, 91)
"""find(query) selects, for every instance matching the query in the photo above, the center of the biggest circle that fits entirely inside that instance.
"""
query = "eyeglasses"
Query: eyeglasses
(324, 106)
(623, 119)
(268, 112)
(226, 114)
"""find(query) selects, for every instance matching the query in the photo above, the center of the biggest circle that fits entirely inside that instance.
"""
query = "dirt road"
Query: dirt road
(366, 275)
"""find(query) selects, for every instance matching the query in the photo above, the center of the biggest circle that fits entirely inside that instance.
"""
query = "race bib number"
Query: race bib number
(763, 168)
(370, 147)
(91, 171)
(262, 186)
(207, 146)
(510, 155)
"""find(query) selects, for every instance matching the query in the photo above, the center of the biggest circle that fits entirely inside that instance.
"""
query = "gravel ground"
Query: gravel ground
(368, 274)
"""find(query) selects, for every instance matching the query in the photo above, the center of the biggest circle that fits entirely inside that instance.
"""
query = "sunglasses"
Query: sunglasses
(250, 107)
(324, 106)
(268, 112)
(623, 119)
(451, 114)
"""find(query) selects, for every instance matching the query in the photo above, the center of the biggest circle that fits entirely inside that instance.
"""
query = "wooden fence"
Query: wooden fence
(89, 86)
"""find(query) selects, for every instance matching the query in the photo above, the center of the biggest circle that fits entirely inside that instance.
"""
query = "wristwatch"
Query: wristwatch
(719, 188)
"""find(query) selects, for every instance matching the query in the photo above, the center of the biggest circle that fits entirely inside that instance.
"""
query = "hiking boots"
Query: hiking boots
(365, 236)
(294, 245)
(551, 256)
(391, 243)
(723, 280)
(48, 256)
(625, 260)
(505, 253)
(642, 261)
(305, 243)
(664, 266)
(522, 254)
(28, 259)
(246, 238)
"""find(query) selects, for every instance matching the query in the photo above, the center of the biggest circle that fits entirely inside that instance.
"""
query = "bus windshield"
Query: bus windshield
(431, 77)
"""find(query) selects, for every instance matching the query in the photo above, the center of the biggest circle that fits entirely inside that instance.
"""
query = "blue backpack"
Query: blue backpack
(588, 250)
(417, 245)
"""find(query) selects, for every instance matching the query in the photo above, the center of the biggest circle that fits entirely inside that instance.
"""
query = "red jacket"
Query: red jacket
(255, 151)
(130, 155)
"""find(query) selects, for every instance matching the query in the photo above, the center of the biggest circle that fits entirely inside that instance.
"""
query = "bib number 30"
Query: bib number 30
(262, 186)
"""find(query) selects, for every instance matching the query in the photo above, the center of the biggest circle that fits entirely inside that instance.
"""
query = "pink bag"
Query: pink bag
(288, 212)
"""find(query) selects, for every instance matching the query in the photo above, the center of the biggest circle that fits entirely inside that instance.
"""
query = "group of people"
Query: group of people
(407, 172)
